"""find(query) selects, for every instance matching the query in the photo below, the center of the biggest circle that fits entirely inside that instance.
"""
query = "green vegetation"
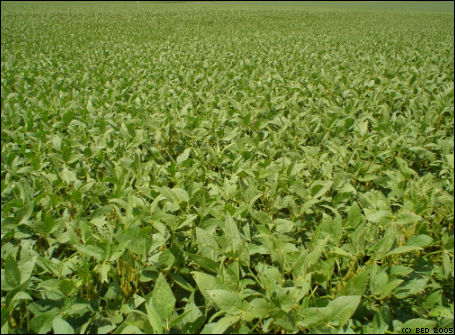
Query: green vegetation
(209, 168)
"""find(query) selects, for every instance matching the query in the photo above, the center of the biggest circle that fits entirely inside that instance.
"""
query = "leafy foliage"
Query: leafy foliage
(201, 168)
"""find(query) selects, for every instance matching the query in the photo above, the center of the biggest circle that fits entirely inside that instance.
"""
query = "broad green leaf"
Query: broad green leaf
(342, 309)
(400, 270)
(415, 324)
(220, 326)
(5, 325)
(446, 265)
(105, 329)
(131, 329)
(207, 244)
(227, 301)
(68, 176)
(61, 326)
(403, 249)
(389, 287)
(24, 213)
(412, 287)
(184, 155)
(103, 271)
(441, 311)
(166, 260)
(42, 323)
(26, 264)
(90, 107)
(354, 216)
(154, 318)
(406, 217)
(337, 313)
(319, 188)
(357, 284)
(18, 297)
(206, 283)
(385, 244)
(138, 240)
(205, 263)
(258, 308)
(419, 241)
(181, 281)
(163, 298)
(12, 273)
(91, 251)
(380, 217)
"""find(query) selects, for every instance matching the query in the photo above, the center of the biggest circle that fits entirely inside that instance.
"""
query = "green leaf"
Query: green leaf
(57, 142)
(288, 297)
(90, 107)
(11, 296)
(357, 284)
(233, 243)
(415, 286)
(61, 326)
(446, 265)
(227, 301)
(319, 188)
(406, 217)
(163, 299)
(207, 244)
(181, 281)
(12, 273)
(103, 271)
(341, 252)
(284, 226)
(105, 329)
(220, 326)
(90, 251)
(176, 194)
(138, 240)
(419, 324)
(42, 323)
(385, 244)
(421, 241)
(138, 300)
(231, 231)
(257, 308)
(354, 216)
(400, 270)
(441, 311)
(26, 264)
(403, 249)
(205, 263)
(316, 253)
(5, 326)
(20, 296)
(379, 281)
(131, 329)
(154, 319)
(389, 287)
(206, 282)
(23, 214)
(337, 312)
(342, 308)
(184, 155)
(380, 217)
(166, 260)
(68, 176)
(269, 277)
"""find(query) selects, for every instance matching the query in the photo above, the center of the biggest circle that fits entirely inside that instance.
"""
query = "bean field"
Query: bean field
(227, 167)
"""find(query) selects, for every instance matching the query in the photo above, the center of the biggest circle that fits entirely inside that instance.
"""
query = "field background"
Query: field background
(210, 167)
